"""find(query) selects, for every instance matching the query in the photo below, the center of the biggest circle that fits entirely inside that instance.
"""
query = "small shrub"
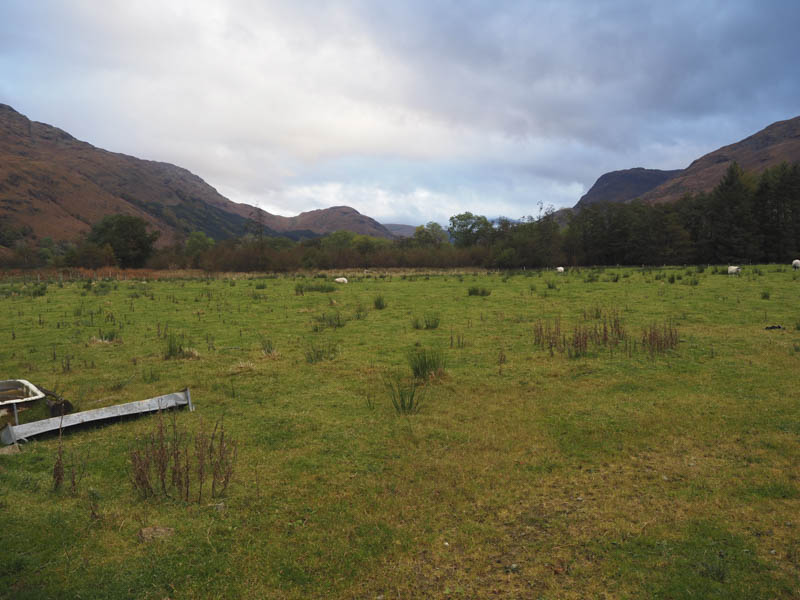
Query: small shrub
(671, 278)
(379, 303)
(426, 364)
(551, 285)
(765, 295)
(416, 323)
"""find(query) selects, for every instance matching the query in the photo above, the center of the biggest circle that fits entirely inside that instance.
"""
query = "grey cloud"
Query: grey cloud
(471, 104)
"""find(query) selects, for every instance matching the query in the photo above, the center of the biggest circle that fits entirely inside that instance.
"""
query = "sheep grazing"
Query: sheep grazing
(341, 280)
(734, 270)
(796, 264)
(559, 269)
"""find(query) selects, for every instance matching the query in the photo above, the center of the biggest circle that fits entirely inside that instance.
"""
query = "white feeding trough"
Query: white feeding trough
(16, 391)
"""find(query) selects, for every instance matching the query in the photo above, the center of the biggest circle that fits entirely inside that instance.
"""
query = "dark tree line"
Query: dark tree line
(745, 219)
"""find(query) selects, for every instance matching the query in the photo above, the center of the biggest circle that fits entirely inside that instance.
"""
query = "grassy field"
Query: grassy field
(617, 433)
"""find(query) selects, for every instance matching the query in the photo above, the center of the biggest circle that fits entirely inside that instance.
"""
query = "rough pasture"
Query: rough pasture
(617, 433)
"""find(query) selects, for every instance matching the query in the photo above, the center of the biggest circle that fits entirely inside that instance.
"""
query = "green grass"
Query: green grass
(610, 434)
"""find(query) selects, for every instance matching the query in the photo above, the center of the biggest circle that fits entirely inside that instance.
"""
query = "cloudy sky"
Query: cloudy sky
(410, 110)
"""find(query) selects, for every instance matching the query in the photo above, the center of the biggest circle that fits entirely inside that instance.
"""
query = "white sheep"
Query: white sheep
(796, 264)
(559, 269)
(734, 270)
(341, 280)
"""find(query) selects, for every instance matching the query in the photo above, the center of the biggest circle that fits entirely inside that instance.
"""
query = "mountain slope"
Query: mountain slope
(777, 143)
(400, 230)
(620, 186)
(59, 186)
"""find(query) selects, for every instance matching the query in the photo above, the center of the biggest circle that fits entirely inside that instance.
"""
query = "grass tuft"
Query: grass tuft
(478, 291)
(426, 363)
(405, 395)
(432, 320)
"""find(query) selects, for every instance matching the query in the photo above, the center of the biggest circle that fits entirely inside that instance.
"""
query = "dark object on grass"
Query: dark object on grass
(773, 327)
(56, 404)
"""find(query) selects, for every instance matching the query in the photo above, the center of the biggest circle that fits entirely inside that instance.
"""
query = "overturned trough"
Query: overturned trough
(13, 433)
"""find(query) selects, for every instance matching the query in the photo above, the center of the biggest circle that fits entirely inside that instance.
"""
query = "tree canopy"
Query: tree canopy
(128, 237)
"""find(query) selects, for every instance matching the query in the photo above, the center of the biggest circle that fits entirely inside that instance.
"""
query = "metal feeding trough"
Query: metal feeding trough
(12, 433)
(16, 391)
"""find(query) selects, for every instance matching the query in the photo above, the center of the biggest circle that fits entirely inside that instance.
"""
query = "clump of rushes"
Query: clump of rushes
(379, 302)
(478, 291)
(427, 364)
(432, 320)
(405, 395)
(315, 353)
(267, 346)
(176, 349)
(333, 320)
(360, 312)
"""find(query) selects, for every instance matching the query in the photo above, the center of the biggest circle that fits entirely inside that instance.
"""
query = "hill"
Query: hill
(620, 186)
(777, 143)
(57, 186)
(399, 230)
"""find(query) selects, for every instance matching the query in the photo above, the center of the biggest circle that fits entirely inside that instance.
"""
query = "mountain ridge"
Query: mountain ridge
(624, 185)
(776, 143)
(58, 186)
